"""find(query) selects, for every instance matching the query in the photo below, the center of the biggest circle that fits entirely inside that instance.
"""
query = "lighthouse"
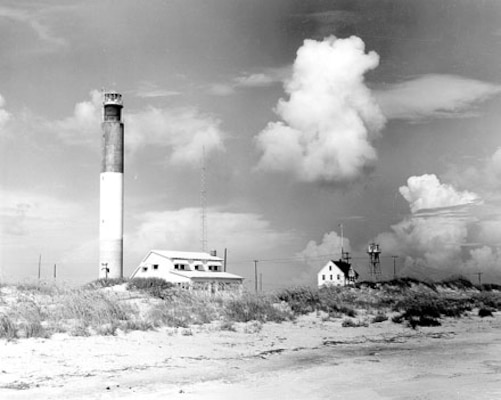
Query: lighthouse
(111, 203)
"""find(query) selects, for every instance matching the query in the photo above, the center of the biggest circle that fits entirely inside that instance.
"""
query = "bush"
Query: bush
(102, 283)
(408, 282)
(458, 282)
(349, 323)
(155, 287)
(334, 300)
(7, 327)
(301, 300)
(254, 308)
(489, 287)
(380, 317)
(485, 312)
(185, 308)
(419, 310)
(488, 299)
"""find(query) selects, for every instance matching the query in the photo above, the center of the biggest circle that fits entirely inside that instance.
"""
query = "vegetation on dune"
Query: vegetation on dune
(106, 306)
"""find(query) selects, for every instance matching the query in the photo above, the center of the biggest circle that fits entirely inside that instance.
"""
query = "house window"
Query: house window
(180, 267)
(323, 277)
(197, 267)
(331, 277)
(145, 269)
(330, 267)
(213, 268)
(338, 277)
(155, 266)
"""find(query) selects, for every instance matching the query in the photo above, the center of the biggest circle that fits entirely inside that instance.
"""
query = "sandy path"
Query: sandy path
(306, 360)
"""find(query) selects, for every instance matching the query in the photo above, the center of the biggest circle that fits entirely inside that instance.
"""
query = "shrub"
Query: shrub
(301, 300)
(426, 310)
(488, 299)
(254, 307)
(156, 287)
(102, 283)
(8, 328)
(458, 282)
(93, 309)
(380, 317)
(485, 312)
(489, 287)
(349, 323)
(334, 300)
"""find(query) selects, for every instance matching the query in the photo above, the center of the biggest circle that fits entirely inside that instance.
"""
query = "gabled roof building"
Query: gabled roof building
(190, 270)
(337, 273)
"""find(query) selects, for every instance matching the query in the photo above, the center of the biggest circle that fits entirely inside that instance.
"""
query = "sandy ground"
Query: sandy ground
(307, 359)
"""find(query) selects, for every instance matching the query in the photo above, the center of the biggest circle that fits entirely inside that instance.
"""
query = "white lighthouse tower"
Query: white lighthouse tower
(111, 203)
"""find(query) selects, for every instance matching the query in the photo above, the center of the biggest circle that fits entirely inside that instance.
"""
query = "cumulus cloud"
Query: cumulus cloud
(484, 175)
(316, 255)
(184, 131)
(433, 95)
(433, 239)
(245, 234)
(426, 191)
(484, 259)
(330, 118)
(330, 248)
(4, 114)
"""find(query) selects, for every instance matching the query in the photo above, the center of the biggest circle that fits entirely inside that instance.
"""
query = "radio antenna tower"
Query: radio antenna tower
(203, 204)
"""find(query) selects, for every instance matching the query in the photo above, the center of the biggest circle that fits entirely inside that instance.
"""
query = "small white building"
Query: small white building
(337, 273)
(191, 270)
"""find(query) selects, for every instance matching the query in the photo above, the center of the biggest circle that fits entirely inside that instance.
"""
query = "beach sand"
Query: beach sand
(307, 359)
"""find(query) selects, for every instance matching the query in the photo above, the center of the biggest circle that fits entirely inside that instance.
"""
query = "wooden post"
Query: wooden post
(255, 274)
(225, 258)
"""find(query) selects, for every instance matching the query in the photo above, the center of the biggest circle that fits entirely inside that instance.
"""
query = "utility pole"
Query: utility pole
(342, 240)
(55, 273)
(255, 274)
(225, 258)
(394, 266)
(479, 274)
(39, 266)
(203, 203)
(260, 282)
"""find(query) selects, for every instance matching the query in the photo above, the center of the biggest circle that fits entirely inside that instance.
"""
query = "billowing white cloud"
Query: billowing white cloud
(264, 78)
(245, 234)
(426, 191)
(433, 239)
(330, 117)
(330, 248)
(433, 95)
(483, 176)
(184, 131)
(4, 114)
(484, 259)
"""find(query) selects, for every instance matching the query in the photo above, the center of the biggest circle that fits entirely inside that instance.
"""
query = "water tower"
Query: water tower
(111, 204)
(375, 264)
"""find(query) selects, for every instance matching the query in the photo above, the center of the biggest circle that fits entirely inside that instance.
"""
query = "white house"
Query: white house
(191, 270)
(337, 273)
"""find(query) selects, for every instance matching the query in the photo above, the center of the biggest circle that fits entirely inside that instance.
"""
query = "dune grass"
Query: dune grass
(105, 307)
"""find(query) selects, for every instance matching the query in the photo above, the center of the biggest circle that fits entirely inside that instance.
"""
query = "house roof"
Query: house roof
(186, 255)
(206, 275)
(344, 266)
